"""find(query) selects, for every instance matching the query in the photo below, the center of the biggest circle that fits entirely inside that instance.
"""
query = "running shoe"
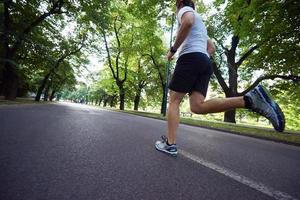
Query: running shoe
(260, 101)
(164, 147)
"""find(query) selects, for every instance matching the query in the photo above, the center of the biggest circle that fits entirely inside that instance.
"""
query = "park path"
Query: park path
(72, 151)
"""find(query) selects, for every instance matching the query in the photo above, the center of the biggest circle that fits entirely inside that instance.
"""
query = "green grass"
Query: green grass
(19, 101)
(289, 137)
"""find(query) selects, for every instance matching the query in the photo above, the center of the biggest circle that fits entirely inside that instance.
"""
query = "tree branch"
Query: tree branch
(220, 43)
(108, 53)
(234, 43)
(126, 62)
(293, 78)
(63, 57)
(246, 55)
(219, 77)
(157, 67)
(117, 30)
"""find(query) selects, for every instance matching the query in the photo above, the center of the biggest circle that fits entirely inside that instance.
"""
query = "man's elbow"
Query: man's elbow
(190, 23)
(211, 48)
(187, 25)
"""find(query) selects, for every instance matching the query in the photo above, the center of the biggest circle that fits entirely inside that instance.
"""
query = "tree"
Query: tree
(66, 51)
(155, 50)
(127, 28)
(141, 80)
(19, 20)
(252, 27)
(106, 87)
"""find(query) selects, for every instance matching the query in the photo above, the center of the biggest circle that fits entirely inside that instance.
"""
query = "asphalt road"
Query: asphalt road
(71, 151)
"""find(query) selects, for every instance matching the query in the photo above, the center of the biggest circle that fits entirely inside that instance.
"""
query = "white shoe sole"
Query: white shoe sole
(165, 151)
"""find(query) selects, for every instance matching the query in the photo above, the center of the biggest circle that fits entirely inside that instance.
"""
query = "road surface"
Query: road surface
(71, 151)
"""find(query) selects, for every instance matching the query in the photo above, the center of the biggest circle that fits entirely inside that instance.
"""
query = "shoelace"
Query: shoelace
(164, 138)
(267, 113)
(171, 148)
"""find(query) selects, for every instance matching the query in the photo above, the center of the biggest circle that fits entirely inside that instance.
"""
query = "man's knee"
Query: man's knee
(198, 108)
(175, 98)
(196, 103)
(174, 101)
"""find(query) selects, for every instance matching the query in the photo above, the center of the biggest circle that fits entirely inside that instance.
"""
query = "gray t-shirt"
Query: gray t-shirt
(196, 41)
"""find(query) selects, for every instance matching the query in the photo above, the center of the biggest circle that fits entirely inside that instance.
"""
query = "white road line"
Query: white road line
(239, 178)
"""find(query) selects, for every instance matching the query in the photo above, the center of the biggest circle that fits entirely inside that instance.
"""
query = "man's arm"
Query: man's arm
(211, 48)
(187, 21)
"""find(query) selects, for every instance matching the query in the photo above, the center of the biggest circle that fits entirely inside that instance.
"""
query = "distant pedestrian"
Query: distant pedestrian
(192, 74)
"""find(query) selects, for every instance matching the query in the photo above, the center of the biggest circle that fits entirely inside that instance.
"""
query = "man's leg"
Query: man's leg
(199, 106)
(256, 100)
(168, 144)
(175, 99)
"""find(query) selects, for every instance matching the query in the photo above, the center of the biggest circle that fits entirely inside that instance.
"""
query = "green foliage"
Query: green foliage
(275, 27)
(266, 35)
(288, 97)
(271, 25)
(44, 40)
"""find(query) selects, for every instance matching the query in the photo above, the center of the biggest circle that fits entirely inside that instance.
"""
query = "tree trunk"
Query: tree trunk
(46, 93)
(2, 64)
(229, 116)
(122, 96)
(122, 100)
(58, 97)
(11, 81)
(1, 85)
(137, 99)
(52, 95)
(100, 101)
(112, 99)
(41, 88)
(10, 75)
(105, 102)
(136, 102)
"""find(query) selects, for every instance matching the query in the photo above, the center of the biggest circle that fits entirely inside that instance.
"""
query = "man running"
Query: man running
(192, 73)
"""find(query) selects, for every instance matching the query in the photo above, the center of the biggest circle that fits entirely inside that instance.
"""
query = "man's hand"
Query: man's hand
(170, 56)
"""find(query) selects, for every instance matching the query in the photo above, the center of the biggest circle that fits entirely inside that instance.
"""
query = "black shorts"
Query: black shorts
(192, 73)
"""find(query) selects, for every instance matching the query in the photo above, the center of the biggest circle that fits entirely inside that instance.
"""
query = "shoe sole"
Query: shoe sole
(174, 154)
(266, 97)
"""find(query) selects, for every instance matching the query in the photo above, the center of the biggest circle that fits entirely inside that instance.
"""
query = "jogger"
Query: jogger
(192, 74)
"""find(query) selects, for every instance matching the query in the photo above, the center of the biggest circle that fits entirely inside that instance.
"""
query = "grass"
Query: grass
(289, 137)
(19, 101)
